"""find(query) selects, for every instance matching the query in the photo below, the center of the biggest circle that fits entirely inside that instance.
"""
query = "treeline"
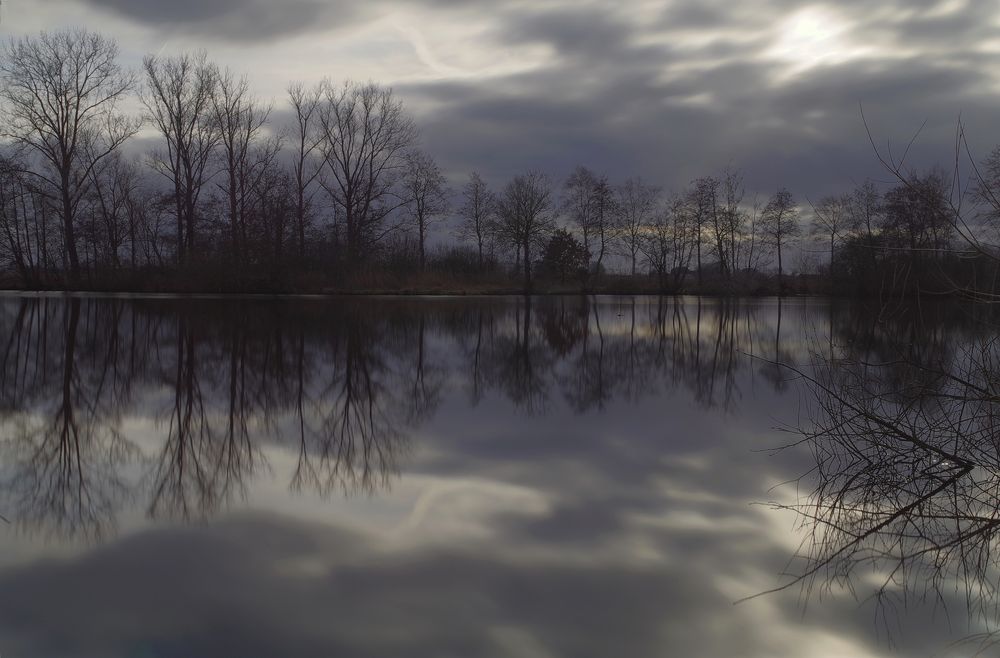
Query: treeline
(336, 194)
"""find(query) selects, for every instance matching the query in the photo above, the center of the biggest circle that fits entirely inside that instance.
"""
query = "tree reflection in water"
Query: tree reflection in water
(902, 424)
(174, 405)
(63, 397)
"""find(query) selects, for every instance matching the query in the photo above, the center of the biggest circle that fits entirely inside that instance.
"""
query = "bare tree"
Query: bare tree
(245, 150)
(780, 224)
(114, 184)
(477, 213)
(669, 242)
(526, 215)
(865, 211)
(61, 92)
(754, 255)
(730, 222)
(425, 195)
(657, 245)
(25, 221)
(831, 219)
(178, 98)
(704, 201)
(578, 201)
(602, 214)
(634, 208)
(274, 212)
(147, 212)
(365, 137)
(916, 213)
(306, 139)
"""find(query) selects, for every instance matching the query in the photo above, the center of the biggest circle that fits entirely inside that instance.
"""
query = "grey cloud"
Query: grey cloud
(257, 20)
(239, 20)
(632, 94)
(615, 103)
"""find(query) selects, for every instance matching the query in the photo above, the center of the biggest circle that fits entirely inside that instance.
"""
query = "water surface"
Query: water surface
(555, 476)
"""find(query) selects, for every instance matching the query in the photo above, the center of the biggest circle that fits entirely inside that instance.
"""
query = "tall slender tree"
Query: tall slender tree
(245, 153)
(425, 196)
(305, 138)
(477, 214)
(831, 219)
(780, 225)
(178, 96)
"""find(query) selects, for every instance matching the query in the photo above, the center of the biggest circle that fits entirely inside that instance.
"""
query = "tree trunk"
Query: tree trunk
(527, 265)
(781, 277)
(68, 229)
(423, 232)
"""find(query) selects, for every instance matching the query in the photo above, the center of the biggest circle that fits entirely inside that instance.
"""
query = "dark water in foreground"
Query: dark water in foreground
(439, 477)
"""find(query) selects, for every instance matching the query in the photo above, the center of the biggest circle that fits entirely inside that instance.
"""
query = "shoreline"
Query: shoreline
(458, 293)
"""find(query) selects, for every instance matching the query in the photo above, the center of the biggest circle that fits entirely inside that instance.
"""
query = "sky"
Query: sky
(663, 89)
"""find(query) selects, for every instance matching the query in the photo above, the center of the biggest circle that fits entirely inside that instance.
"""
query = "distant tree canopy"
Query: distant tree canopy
(342, 191)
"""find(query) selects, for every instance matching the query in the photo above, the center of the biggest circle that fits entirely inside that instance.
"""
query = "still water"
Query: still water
(556, 476)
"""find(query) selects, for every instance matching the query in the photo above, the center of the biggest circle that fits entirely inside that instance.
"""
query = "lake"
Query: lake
(547, 476)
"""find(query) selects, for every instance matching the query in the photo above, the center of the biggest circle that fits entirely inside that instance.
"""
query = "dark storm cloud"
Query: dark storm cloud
(256, 20)
(238, 20)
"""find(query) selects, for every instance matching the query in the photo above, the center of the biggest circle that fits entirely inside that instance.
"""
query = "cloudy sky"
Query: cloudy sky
(665, 89)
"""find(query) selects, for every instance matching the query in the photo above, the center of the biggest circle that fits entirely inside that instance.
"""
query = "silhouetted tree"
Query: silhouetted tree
(602, 216)
(178, 97)
(730, 223)
(916, 215)
(704, 202)
(477, 214)
(114, 192)
(62, 92)
(580, 202)
(635, 205)
(245, 152)
(669, 242)
(831, 219)
(425, 195)
(365, 137)
(305, 137)
(26, 221)
(564, 255)
(780, 225)
(525, 214)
